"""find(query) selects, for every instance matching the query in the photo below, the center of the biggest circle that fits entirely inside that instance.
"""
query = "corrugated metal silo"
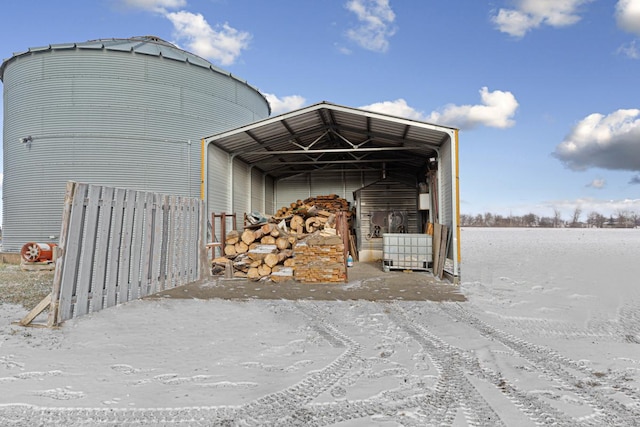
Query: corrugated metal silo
(120, 112)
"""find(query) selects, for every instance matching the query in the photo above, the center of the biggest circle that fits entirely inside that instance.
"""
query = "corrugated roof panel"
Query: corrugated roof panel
(335, 137)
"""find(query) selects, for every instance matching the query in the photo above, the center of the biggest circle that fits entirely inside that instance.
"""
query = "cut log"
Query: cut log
(268, 240)
(275, 259)
(271, 260)
(248, 237)
(312, 224)
(289, 262)
(232, 238)
(264, 270)
(275, 232)
(282, 243)
(241, 247)
(268, 228)
(230, 250)
(296, 222)
(220, 260)
(257, 234)
(253, 274)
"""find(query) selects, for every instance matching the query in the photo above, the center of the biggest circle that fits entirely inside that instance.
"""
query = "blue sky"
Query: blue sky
(546, 92)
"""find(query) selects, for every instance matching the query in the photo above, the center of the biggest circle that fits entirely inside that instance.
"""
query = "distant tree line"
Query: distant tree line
(622, 219)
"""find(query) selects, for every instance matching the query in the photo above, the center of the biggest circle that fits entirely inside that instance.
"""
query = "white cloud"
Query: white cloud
(285, 104)
(398, 108)
(630, 50)
(597, 183)
(496, 110)
(223, 44)
(531, 14)
(376, 24)
(155, 5)
(628, 15)
(608, 142)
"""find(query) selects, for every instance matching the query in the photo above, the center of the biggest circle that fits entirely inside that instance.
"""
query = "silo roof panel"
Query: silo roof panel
(59, 46)
(39, 48)
(91, 45)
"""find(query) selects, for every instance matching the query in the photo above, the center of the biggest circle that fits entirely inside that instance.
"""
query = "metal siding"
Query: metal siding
(310, 185)
(257, 191)
(385, 195)
(111, 118)
(217, 181)
(270, 203)
(241, 188)
(292, 189)
(322, 184)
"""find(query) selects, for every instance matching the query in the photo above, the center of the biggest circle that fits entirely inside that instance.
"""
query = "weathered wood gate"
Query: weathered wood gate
(118, 245)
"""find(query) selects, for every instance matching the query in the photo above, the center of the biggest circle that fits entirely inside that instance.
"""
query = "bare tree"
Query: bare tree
(557, 218)
(622, 219)
(575, 221)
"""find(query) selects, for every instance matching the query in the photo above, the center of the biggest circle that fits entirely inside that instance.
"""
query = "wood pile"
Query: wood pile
(299, 242)
(319, 258)
(256, 253)
(312, 214)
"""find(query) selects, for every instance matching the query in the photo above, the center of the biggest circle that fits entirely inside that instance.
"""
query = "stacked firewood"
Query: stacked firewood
(266, 251)
(256, 253)
(312, 214)
(319, 258)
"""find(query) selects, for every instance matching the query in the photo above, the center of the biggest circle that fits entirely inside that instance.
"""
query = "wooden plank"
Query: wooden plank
(98, 290)
(156, 249)
(87, 254)
(179, 254)
(72, 253)
(164, 246)
(186, 234)
(52, 319)
(112, 280)
(147, 241)
(42, 305)
(136, 246)
(124, 272)
(442, 256)
(437, 235)
(194, 255)
(204, 270)
(171, 244)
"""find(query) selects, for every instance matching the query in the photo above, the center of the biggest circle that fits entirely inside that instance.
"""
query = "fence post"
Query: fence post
(52, 320)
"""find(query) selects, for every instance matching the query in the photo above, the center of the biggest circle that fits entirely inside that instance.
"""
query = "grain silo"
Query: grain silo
(119, 112)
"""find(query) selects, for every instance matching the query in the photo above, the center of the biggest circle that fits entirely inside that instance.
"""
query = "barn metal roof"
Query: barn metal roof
(327, 137)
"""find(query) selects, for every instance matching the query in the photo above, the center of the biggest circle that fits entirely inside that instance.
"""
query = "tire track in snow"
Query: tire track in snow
(452, 387)
(559, 368)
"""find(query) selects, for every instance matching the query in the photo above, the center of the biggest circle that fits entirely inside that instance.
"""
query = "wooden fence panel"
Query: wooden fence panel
(120, 245)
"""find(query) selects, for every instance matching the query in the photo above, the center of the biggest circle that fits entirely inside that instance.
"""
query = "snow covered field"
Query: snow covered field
(550, 335)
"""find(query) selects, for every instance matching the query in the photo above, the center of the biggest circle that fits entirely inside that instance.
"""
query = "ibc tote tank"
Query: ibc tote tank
(119, 112)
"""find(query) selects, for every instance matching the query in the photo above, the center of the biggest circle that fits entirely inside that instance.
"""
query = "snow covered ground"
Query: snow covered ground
(550, 335)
